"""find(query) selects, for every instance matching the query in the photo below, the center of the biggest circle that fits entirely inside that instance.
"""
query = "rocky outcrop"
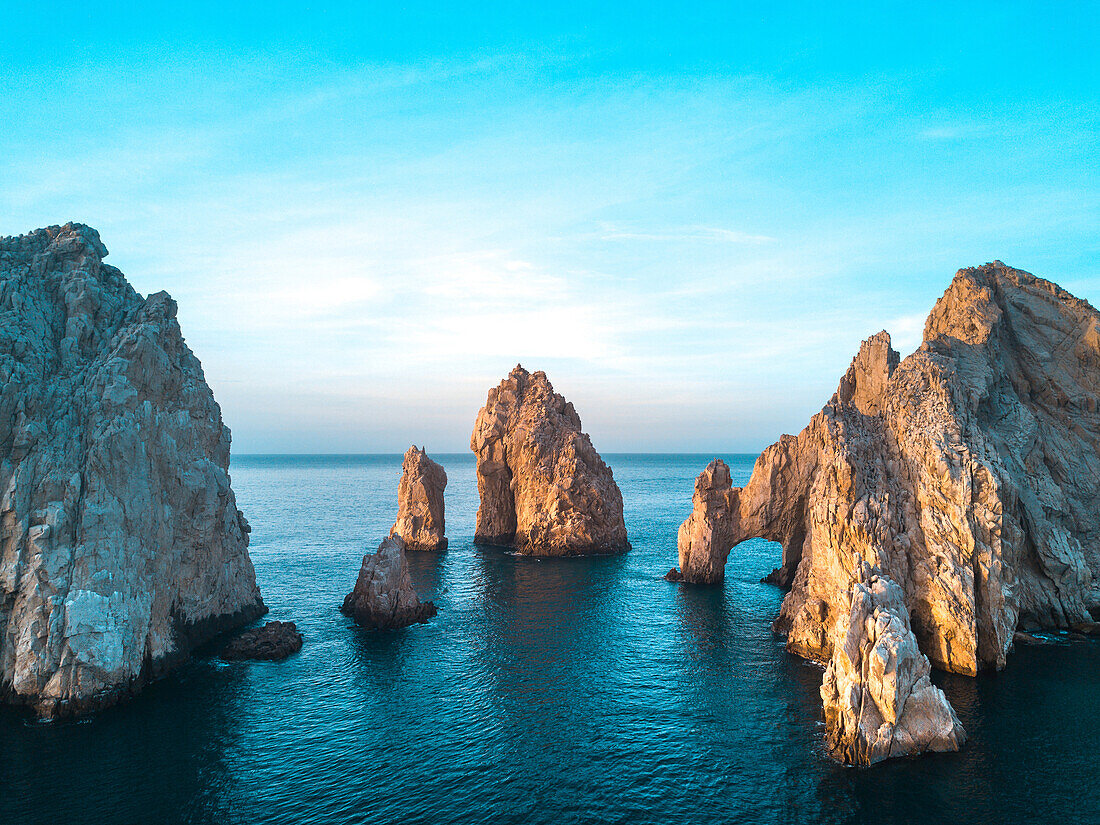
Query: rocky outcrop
(420, 503)
(272, 642)
(705, 539)
(383, 597)
(969, 473)
(877, 693)
(544, 489)
(121, 546)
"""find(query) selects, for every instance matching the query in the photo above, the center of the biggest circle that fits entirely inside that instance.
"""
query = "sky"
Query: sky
(688, 217)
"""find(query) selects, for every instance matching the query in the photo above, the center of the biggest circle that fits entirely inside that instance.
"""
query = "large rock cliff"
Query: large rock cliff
(420, 517)
(969, 473)
(121, 545)
(544, 489)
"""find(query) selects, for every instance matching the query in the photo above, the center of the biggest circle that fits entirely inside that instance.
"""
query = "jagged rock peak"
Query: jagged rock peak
(705, 539)
(383, 597)
(122, 545)
(877, 693)
(970, 476)
(544, 489)
(420, 517)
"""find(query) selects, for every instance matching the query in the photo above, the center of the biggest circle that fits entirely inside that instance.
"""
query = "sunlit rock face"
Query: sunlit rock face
(383, 597)
(969, 473)
(544, 489)
(877, 693)
(420, 517)
(121, 545)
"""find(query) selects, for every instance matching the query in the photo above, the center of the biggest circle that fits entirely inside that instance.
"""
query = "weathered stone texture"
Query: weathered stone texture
(121, 545)
(544, 488)
(420, 516)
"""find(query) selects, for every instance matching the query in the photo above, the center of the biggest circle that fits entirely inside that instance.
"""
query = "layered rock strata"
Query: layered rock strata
(544, 489)
(121, 545)
(383, 597)
(969, 473)
(877, 693)
(420, 520)
(272, 642)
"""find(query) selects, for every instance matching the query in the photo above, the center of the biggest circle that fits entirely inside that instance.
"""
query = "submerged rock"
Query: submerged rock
(122, 546)
(877, 693)
(383, 597)
(544, 489)
(969, 473)
(420, 519)
(272, 642)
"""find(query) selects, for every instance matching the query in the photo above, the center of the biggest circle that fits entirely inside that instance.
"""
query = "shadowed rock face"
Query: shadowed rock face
(383, 597)
(544, 488)
(272, 642)
(969, 473)
(877, 693)
(420, 519)
(121, 545)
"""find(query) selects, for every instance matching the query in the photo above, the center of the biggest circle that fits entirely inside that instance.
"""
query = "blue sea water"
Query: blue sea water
(544, 691)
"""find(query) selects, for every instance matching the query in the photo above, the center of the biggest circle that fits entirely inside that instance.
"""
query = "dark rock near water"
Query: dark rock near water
(781, 577)
(674, 575)
(383, 597)
(272, 642)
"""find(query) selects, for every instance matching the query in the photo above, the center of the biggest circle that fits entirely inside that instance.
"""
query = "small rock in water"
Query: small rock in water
(1021, 638)
(674, 575)
(780, 577)
(383, 597)
(272, 642)
(1086, 628)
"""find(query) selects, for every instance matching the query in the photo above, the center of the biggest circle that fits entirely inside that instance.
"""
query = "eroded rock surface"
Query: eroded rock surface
(272, 642)
(383, 597)
(969, 473)
(121, 545)
(877, 693)
(544, 489)
(420, 520)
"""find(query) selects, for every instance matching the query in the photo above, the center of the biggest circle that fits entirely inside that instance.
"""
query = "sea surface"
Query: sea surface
(544, 691)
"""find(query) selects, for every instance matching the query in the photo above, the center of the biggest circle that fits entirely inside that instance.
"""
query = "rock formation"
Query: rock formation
(272, 642)
(420, 503)
(121, 545)
(877, 693)
(705, 539)
(383, 597)
(969, 473)
(544, 489)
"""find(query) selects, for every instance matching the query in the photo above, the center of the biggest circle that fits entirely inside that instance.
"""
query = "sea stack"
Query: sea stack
(877, 693)
(420, 521)
(544, 489)
(122, 544)
(383, 597)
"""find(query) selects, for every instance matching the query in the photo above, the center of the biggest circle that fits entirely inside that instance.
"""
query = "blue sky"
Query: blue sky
(368, 213)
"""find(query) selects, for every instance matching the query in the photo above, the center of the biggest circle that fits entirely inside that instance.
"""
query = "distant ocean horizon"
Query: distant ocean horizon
(544, 691)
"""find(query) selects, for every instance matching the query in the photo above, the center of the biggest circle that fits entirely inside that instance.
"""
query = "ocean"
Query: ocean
(544, 691)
